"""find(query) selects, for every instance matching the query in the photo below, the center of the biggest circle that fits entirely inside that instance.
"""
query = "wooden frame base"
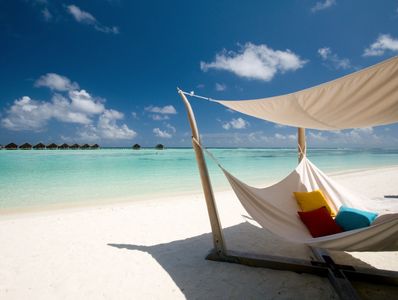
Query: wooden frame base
(338, 275)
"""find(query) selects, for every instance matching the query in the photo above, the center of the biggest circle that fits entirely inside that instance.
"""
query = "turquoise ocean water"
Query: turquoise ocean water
(37, 178)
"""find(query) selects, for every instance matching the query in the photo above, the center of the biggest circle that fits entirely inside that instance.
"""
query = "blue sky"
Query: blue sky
(107, 71)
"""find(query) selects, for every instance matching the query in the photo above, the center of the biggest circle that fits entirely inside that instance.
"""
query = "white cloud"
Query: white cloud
(363, 137)
(255, 62)
(56, 82)
(135, 115)
(384, 42)
(29, 114)
(108, 128)
(159, 117)
(168, 109)
(290, 137)
(162, 133)
(46, 14)
(171, 127)
(220, 87)
(322, 5)
(318, 136)
(84, 102)
(333, 60)
(84, 17)
(79, 108)
(238, 123)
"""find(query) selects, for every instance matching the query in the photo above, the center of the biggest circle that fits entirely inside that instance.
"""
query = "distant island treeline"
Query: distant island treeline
(53, 146)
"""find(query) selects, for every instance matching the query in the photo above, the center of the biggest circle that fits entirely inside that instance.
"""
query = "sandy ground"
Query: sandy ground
(155, 250)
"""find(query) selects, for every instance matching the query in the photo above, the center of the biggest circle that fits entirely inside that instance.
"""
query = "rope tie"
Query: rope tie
(207, 152)
(303, 152)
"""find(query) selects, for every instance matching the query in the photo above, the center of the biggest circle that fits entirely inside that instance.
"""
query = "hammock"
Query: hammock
(275, 209)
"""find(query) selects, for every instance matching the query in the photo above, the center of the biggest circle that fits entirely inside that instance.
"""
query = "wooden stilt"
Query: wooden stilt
(301, 143)
(218, 239)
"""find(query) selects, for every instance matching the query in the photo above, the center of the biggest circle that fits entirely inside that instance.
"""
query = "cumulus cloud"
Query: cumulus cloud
(56, 82)
(84, 17)
(84, 102)
(105, 129)
(322, 5)
(255, 62)
(162, 133)
(171, 127)
(384, 42)
(168, 109)
(238, 123)
(78, 107)
(363, 137)
(29, 114)
(109, 129)
(159, 117)
(333, 60)
(220, 87)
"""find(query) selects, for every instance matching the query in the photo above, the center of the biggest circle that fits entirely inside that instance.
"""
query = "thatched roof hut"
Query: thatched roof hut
(52, 146)
(25, 146)
(159, 147)
(85, 146)
(95, 146)
(64, 146)
(39, 146)
(136, 147)
(74, 146)
(11, 146)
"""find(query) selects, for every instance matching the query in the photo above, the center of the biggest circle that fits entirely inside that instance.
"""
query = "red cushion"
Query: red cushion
(319, 222)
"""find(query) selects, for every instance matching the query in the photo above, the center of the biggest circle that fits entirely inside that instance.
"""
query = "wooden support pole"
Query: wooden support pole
(218, 239)
(301, 143)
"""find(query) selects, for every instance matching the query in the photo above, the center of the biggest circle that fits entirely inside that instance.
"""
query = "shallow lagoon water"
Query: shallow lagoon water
(35, 178)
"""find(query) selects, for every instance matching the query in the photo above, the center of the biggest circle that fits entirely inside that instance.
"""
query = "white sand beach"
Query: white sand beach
(155, 250)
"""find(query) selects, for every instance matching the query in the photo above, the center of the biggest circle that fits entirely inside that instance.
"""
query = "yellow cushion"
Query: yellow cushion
(312, 200)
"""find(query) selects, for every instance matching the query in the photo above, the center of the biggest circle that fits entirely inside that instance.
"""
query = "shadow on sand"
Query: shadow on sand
(197, 278)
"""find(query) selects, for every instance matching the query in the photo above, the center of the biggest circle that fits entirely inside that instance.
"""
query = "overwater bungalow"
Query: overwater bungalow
(39, 146)
(64, 146)
(85, 146)
(136, 147)
(95, 146)
(52, 146)
(25, 146)
(74, 147)
(11, 146)
(159, 147)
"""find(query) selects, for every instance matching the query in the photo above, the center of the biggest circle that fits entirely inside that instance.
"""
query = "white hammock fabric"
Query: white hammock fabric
(275, 209)
(365, 98)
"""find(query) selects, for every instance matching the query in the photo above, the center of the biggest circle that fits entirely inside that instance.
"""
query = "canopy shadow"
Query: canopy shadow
(198, 278)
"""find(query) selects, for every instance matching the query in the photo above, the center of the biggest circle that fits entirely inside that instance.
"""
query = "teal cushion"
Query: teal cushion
(351, 218)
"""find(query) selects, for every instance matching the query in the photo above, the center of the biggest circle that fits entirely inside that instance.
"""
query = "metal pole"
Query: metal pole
(218, 239)
(301, 143)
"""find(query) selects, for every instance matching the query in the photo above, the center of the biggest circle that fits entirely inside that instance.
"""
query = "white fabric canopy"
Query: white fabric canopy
(365, 98)
(275, 209)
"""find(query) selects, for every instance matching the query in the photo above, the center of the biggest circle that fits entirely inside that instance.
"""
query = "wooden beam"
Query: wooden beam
(301, 143)
(216, 228)
(336, 276)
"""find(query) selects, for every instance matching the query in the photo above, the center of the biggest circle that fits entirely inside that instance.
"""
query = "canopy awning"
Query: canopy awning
(365, 98)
